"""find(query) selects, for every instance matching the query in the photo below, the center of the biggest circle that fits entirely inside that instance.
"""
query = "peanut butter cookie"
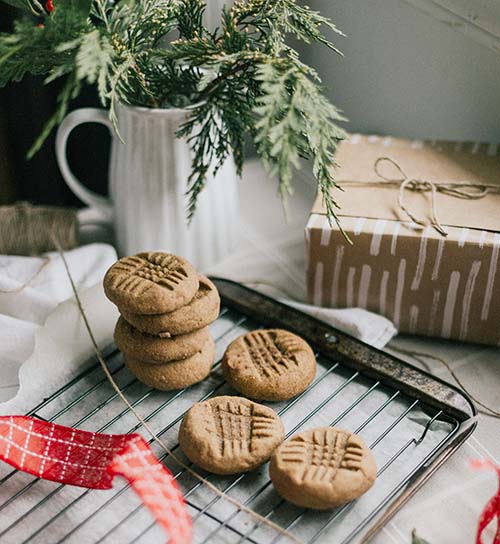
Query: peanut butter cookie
(153, 349)
(269, 364)
(228, 435)
(151, 283)
(175, 374)
(322, 468)
(200, 312)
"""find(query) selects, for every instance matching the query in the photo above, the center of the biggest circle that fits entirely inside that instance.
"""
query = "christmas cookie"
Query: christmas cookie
(228, 435)
(269, 364)
(322, 468)
(151, 283)
(175, 374)
(200, 312)
(153, 349)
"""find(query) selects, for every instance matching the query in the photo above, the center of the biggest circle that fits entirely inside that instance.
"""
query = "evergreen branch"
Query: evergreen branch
(202, 131)
(94, 62)
(243, 79)
(295, 120)
(31, 6)
(69, 91)
(118, 80)
(276, 19)
(33, 49)
(189, 15)
(92, 57)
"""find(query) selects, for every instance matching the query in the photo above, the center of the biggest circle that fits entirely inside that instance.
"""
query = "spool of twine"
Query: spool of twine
(31, 230)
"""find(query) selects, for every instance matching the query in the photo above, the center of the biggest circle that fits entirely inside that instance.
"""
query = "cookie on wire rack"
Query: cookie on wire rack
(322, 468)
(151, 283)
(269, 364)
(174, 374)
(229, 435)
(200, 312)
(153, 349)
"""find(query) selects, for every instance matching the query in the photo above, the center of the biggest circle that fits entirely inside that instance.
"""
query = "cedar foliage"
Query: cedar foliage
(244, 78)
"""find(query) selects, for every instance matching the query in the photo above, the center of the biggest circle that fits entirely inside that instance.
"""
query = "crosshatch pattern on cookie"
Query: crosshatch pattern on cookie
(269, 364)
(204, 290)
(134, 274)
(236, 426)
(272, 353)
(228, 435)
(318, 456)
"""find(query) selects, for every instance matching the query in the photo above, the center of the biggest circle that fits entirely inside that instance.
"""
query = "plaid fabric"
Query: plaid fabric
(492, 509)
(92, 460)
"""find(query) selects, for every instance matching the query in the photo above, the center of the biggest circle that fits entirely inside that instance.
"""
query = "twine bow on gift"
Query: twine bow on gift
(459, 189)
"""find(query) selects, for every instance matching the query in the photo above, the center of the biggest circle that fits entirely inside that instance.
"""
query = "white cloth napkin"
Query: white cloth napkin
(38, 330)
(368, 327)
(49, 285)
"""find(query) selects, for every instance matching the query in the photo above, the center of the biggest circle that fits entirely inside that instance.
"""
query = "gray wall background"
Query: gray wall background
(408, 74)
(405, 72)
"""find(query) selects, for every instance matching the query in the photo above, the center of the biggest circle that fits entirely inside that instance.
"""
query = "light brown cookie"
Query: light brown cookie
(228, 435)
(175, 374)
(200, 312)
(153, 349)
(322, 468)
(151, 283)
(269, 364)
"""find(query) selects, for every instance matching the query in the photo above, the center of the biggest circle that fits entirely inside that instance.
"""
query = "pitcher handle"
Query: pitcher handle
(84, 115)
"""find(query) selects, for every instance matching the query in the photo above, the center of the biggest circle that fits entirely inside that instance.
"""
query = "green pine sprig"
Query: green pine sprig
(296, 121)
(242, 80)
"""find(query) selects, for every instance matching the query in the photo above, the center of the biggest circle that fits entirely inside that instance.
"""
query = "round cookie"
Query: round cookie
(322, 468)
(229, 435)
(269, 364)
(199, 313)
(175, 374)
(156, 350)
(151, 283)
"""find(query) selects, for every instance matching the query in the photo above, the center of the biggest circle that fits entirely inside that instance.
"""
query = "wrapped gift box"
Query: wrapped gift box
(425, 282)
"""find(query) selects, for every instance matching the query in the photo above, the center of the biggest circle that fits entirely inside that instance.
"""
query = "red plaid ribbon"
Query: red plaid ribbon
(92, 460)
(492, 509)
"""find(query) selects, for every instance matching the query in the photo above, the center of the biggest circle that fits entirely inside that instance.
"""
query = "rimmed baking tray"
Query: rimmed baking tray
(413, 422)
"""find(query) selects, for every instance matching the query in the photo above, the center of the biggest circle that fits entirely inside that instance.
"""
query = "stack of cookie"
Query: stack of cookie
(166, 307)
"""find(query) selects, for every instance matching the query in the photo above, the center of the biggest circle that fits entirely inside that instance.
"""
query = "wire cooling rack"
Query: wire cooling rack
(412, 421)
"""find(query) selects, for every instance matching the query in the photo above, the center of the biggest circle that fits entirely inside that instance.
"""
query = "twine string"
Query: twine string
(146, 425)
(421, 357)
(465, 190)
(30, 280)
(31, 230)
(413, 184)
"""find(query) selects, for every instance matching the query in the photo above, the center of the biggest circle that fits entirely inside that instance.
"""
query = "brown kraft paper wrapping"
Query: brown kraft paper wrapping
(426, 283)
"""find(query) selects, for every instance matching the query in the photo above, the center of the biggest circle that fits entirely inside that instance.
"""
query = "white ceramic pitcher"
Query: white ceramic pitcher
(148, 178)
